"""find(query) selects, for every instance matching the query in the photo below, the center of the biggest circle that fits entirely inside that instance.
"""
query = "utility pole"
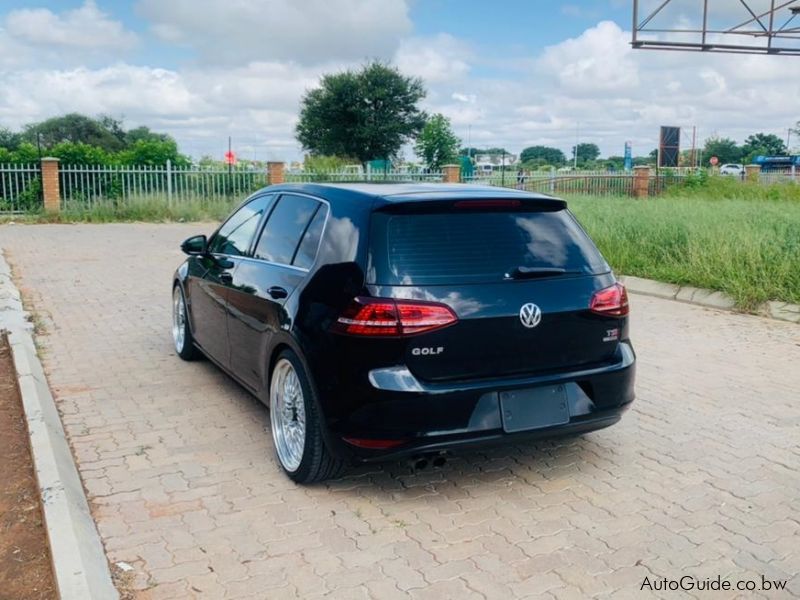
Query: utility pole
(230, 168)
(577, 137)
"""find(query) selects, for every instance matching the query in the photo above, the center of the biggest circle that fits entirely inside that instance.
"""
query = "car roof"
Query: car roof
(390, 193)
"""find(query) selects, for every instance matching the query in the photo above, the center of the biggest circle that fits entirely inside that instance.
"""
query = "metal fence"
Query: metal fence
(20, 187)
(780, 176)
(596, 184)
(89, 185)
(363, 175)
(81, 186)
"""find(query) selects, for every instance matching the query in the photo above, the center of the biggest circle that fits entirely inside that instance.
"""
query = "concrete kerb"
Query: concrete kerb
(712, 299)
(79, 561)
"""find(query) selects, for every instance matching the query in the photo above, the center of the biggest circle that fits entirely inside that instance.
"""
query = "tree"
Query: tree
(586, 152)
(145, 134)
(9, 140)
(71, 153)
(495, 151)
(543, 155)
(763, 144)
(437, 145)
(75, 128)
(153, 152)
(367, 114)
(725, 149)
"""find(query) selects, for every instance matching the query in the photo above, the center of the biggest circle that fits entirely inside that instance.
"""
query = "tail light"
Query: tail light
(612, 301)
(372, 444)
(387, 317)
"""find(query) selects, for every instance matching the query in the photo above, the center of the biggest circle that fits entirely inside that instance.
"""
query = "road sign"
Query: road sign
(230, 158)
(714, 161)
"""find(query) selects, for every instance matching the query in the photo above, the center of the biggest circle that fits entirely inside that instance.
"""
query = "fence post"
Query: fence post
(169, 183)
(752, 172)
(369, 172)
(552, 180)
(51, 191)
(452, 173)
(275, 172)
(641, 182)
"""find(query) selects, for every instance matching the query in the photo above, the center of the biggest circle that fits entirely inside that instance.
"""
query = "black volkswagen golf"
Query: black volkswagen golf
(388, 320)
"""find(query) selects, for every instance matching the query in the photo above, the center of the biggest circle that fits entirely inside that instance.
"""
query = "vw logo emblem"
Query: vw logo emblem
(530, 315)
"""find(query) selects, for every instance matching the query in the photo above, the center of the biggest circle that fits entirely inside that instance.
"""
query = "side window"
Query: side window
(307, 251)
(235, 235)
(286, 225)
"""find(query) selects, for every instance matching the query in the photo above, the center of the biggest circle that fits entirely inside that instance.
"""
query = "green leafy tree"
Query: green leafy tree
(74, 128)
(71, 153)
(763, 144)
(437, 145)
(367, 114)
(543, 155)
(9, 140)
(144, 134)
(586, 152)
(153, 152)
(725, 149)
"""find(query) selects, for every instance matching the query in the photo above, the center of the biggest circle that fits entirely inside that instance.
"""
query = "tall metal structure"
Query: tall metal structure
(736, 26)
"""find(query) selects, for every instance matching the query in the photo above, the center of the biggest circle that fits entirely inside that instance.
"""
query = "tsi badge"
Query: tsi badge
(530, 315)
(427, 351)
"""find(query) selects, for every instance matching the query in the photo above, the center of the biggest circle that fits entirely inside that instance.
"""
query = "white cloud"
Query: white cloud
(86, 27)
(593, 78)
(242, 31)
(436, 59)
(596, 61)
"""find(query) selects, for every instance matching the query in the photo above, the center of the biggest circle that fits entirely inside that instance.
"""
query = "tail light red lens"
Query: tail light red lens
(612, 301)
(387, 317)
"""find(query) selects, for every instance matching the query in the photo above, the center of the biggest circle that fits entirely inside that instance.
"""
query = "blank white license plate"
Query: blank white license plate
(534, 408)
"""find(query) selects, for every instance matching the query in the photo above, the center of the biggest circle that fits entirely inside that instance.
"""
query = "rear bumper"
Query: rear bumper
(424, 417)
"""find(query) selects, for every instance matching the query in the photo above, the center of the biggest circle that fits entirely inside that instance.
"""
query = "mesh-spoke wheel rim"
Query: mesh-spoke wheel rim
(287, 415)
(178, 319)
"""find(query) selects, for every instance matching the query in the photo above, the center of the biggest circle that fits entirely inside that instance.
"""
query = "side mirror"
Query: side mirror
(196, 245)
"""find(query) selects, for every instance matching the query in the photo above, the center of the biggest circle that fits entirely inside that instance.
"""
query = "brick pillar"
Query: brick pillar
(50, 185)
(452, 173)
(275, 172)
(641, 182)
(752, 172)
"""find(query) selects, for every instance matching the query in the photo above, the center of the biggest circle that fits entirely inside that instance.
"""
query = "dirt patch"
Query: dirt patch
(25, 570)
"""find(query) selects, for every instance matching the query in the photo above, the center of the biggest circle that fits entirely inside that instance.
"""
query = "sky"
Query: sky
(513, 74)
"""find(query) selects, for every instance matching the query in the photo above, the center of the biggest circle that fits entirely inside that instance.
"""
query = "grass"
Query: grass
(742, 239)
(148, 209)
(717, 233)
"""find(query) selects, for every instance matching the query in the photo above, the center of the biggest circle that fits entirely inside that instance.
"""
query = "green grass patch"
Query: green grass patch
(148, 209)
(740, 239)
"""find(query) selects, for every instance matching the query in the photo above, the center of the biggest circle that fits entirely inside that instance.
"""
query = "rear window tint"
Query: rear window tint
(446, 248)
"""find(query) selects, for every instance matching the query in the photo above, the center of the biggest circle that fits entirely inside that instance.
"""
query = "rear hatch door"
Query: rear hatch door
(519, 276)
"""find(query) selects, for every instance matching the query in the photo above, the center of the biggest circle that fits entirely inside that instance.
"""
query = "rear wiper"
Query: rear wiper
(532, 272)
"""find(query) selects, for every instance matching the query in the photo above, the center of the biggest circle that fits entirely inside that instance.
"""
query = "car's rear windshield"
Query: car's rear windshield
(474, 247)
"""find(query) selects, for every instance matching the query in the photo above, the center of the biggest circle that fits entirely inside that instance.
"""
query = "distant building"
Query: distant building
(492, 162)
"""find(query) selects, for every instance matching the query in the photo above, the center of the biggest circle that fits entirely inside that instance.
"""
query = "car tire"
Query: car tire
(181, 332)
(296, 424)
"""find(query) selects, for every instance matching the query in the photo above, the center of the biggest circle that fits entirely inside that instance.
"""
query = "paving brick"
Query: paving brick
(701, 477)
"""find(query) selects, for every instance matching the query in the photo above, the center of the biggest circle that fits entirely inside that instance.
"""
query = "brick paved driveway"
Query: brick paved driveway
(702, 477)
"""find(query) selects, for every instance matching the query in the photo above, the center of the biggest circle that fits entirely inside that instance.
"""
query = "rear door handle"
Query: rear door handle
(226, 278)
(277, 292)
